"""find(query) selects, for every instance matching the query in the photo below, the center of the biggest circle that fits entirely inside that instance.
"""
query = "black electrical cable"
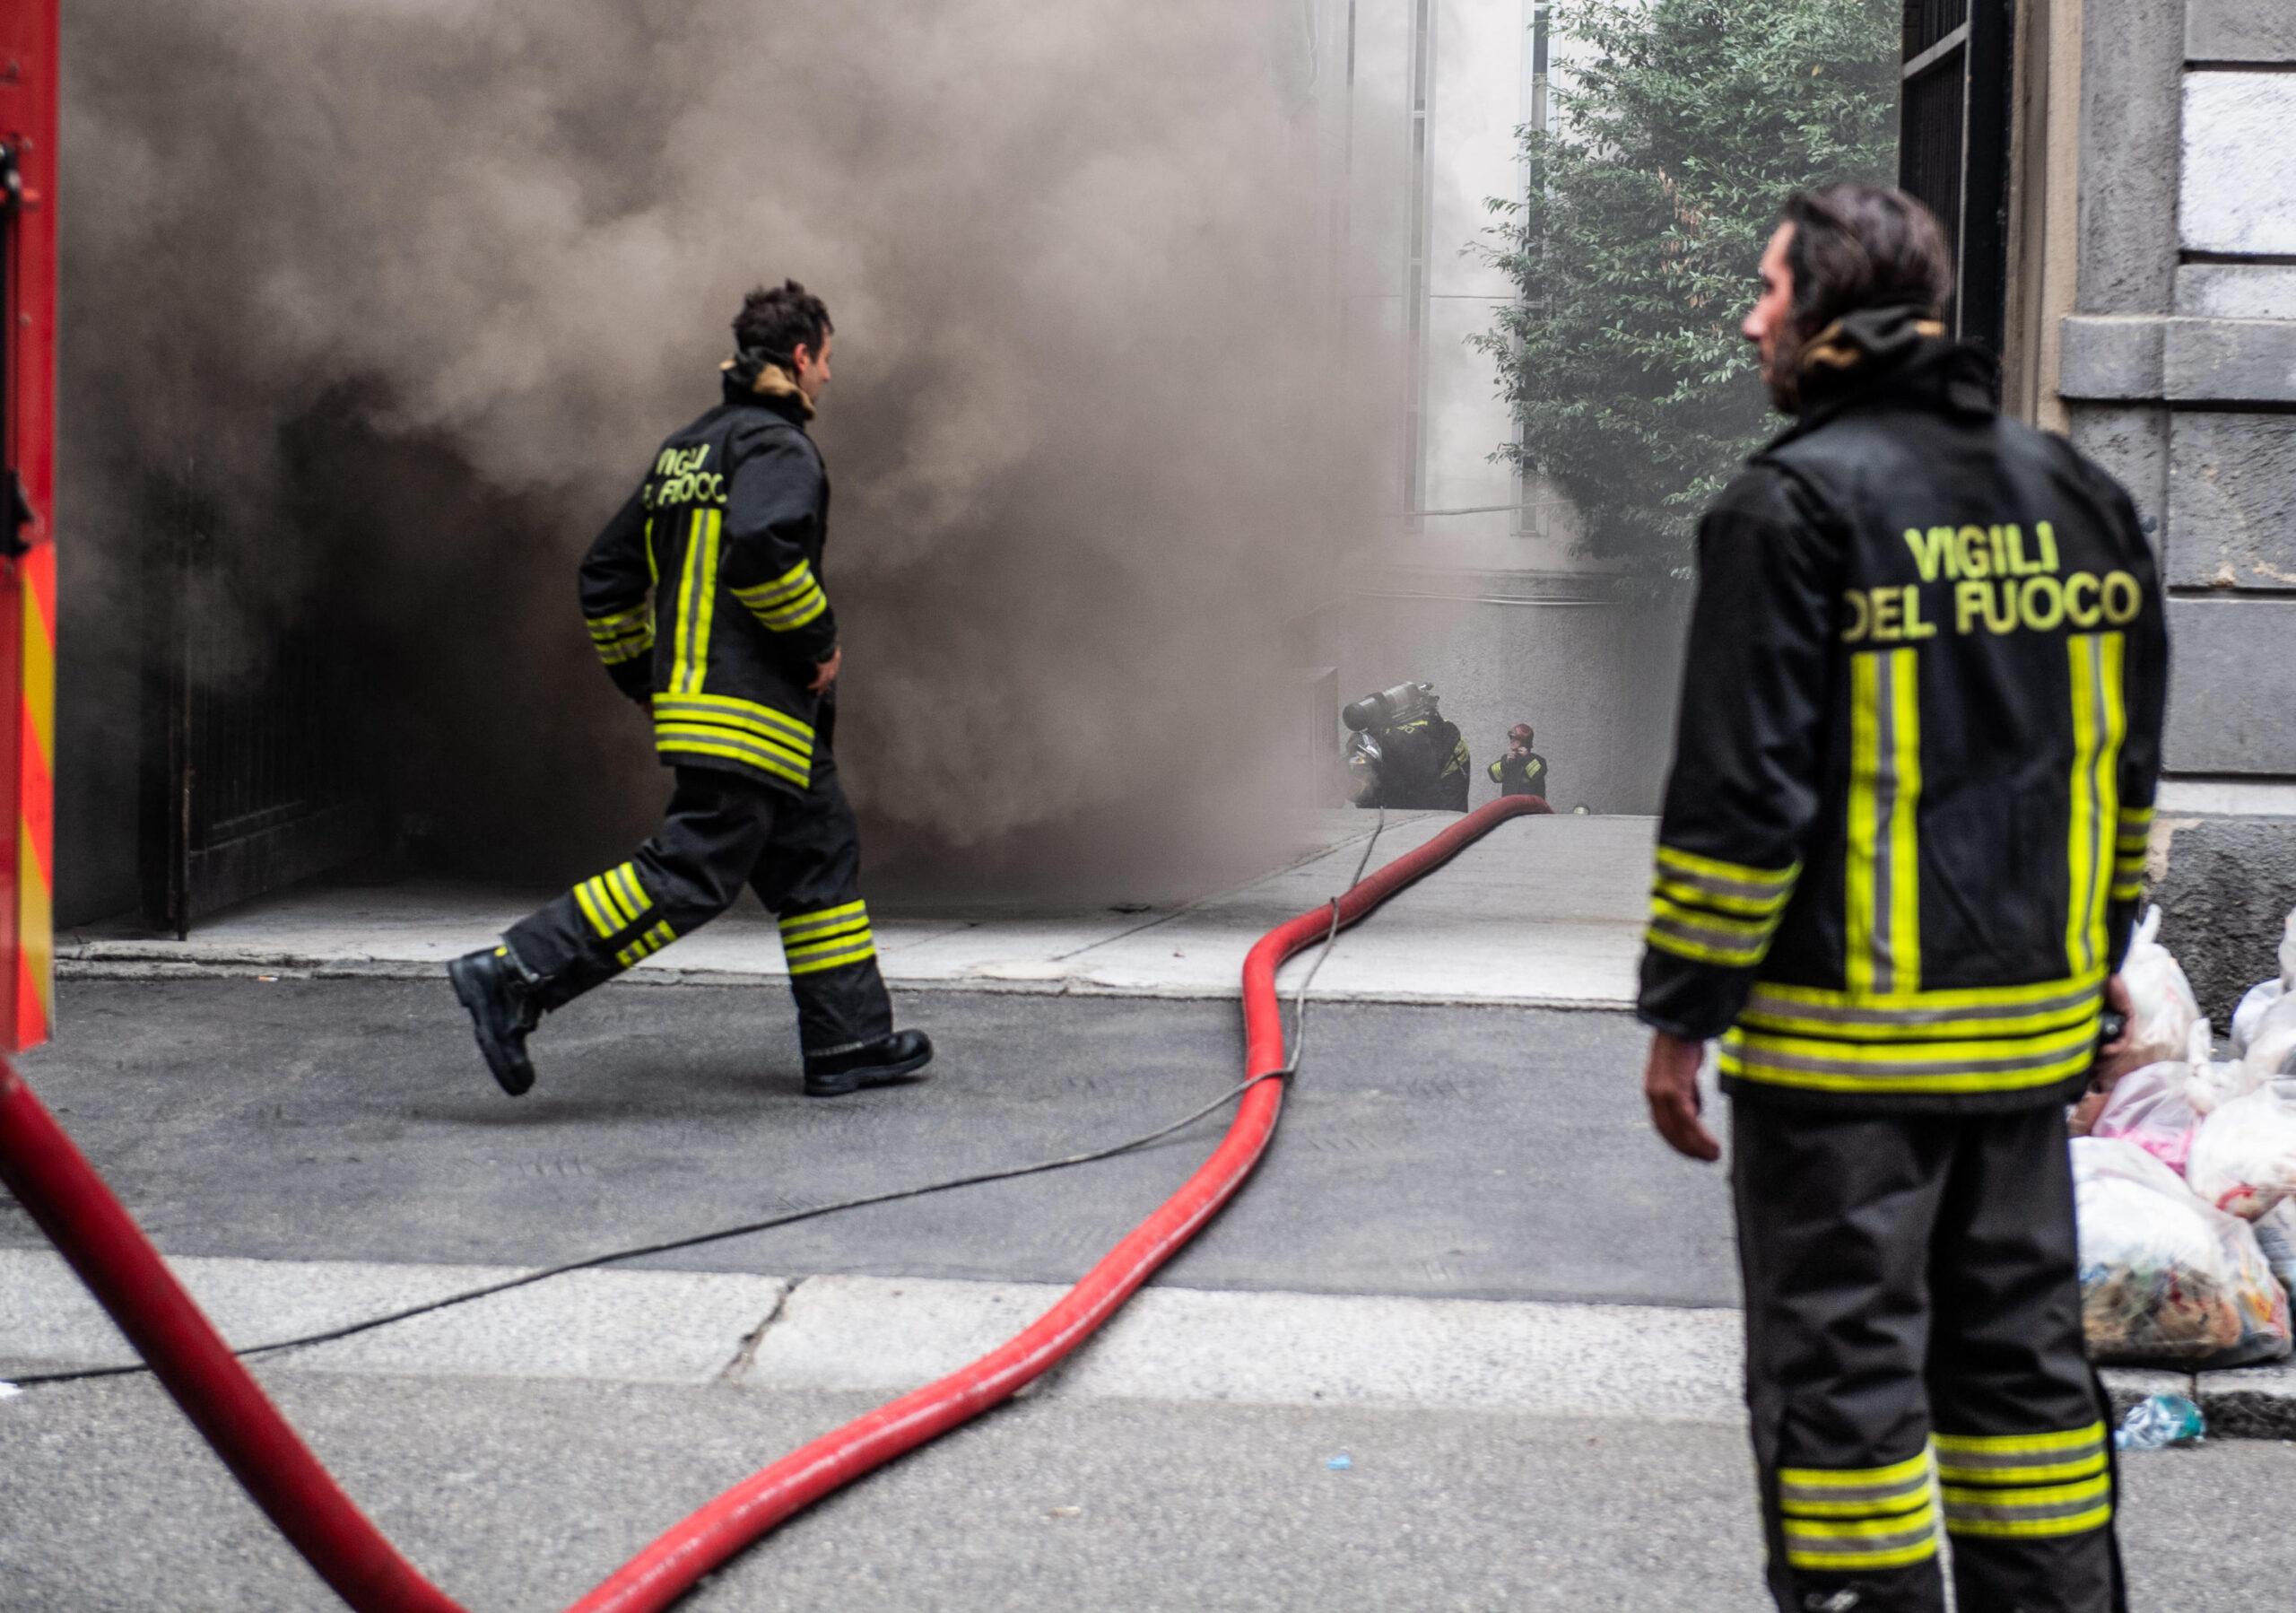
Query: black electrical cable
(591, 1262)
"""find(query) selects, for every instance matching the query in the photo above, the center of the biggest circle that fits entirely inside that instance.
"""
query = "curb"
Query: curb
(2239, 1402)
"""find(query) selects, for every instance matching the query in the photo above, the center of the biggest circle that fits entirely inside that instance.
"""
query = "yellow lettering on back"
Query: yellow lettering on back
(1915, 627)
(2047, 536)
(1974, 559)
(1860, 618)
(2123, 598)
(1887, 602)
(1933, 551)
(2076, 613)
(2044, 603)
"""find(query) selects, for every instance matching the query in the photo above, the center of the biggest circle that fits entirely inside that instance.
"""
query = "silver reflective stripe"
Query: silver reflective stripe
(1763, 1001)
(1761, 1050)
(2066, 1501)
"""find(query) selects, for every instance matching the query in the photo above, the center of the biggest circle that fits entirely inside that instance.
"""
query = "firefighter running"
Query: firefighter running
(1901, 850)
(704, 599)
(1522, 770)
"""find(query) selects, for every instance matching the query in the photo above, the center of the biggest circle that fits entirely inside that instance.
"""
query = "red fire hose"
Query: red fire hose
(55, 1184)
(53, 1179)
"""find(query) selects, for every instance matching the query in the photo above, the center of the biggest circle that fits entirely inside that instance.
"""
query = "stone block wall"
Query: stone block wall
(2178, 374)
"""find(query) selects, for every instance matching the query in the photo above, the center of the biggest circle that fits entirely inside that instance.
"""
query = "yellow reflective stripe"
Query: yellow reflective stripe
(591, 910)
(1722, 900)
(2030, 1529)
(1864, 1545)
(860, 953)
(727, 734)
(706, 607)
(2031, 1495)
(798, 923)
(1881, 912)
(1919, 1055)
(788, 602)
(737, 707)
(1854, 1478)
(792, 582)
(634, 899)
(1920, 1022)
(842, 947)
(1669, 935)
(647, 944)
(2021, 1444)
(694, 747)
(1944, 997)
(1905, 826)
(1842, 1067)
(787, 618)
(1750, 929)
(1897, 1558)
(614, 624)
(1691, 862)
(1861, 1529)
(2099, 722)
(682, 643)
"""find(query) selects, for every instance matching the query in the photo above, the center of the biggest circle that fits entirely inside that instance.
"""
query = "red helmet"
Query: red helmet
(1522, 731)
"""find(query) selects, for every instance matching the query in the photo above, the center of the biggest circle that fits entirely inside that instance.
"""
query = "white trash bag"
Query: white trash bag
(2277, 1236)
(2259, 997)
(2165, 1280)
(2272, 1045)
(2243, 1157)
(2152, 1108)
(2162, 1008)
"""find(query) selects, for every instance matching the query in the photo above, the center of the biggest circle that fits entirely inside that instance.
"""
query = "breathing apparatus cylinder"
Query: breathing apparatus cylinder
(1389, 707)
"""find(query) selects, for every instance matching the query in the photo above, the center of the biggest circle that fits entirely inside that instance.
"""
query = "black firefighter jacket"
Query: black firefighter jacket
(704, 598)
(1905, 832)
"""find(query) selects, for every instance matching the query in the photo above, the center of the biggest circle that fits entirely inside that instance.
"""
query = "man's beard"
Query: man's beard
(1781, 373)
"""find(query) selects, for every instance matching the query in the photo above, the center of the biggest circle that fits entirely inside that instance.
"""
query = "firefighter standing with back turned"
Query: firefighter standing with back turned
(704, 599)
(1902, 846)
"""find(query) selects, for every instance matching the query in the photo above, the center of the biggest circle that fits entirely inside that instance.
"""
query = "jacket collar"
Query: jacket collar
(1891, 357)
(767, 383)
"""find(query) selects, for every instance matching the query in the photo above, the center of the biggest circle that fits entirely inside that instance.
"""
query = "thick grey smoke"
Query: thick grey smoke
(408, 289)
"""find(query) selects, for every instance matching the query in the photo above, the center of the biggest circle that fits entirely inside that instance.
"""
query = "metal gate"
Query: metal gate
(1954, 145)
(254, 772)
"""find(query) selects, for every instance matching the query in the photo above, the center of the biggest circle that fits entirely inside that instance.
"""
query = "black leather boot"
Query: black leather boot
(500, 994)
(883, 1062)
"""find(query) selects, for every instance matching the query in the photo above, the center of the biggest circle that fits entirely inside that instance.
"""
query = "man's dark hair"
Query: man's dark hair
(1863, 246)
(774, 322)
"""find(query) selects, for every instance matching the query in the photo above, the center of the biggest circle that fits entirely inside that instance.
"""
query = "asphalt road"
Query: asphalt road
(518, 1496)
(1471, 1151)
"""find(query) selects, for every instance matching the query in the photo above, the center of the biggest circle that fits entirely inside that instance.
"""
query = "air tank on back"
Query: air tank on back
(1388, 707)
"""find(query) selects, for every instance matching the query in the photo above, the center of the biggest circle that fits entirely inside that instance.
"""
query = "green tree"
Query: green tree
(1680, 127)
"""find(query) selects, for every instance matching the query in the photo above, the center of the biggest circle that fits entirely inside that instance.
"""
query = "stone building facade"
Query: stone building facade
(2175, 366)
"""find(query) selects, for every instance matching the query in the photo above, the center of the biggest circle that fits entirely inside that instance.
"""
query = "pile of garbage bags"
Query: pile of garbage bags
(2185, 1173)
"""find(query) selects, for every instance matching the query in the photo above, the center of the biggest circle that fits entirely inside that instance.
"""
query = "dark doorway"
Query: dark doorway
(1954, 145)
(256, 772)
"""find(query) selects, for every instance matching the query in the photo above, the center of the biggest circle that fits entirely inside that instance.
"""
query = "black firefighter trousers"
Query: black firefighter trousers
(1914, 1359)
(802, 855)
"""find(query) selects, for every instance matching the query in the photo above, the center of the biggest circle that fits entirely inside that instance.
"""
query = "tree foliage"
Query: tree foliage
(1679, 128)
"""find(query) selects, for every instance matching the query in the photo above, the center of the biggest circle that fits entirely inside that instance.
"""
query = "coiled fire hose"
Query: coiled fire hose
(72, 1204)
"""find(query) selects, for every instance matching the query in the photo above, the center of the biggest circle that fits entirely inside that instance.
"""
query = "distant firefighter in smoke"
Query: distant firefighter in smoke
(1522, 770)
(1402, 753)
(704, 600)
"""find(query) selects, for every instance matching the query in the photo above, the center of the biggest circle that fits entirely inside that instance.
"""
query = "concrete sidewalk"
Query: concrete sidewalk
(886, 1335)
(1546, 911)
